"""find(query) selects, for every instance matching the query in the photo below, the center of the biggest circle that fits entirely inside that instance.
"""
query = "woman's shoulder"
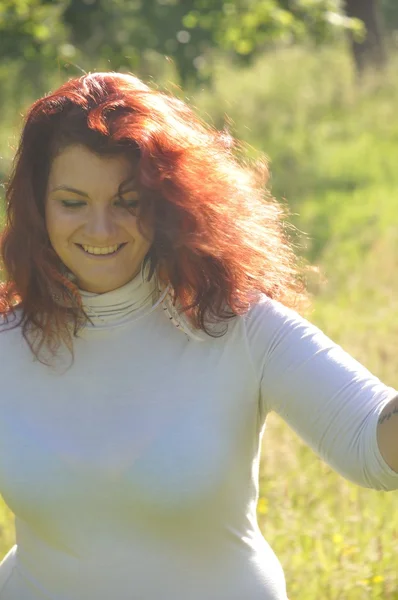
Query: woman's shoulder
(270, 314)
(271, 327)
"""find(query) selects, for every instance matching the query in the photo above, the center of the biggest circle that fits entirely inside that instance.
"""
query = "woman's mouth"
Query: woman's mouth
(95, 252)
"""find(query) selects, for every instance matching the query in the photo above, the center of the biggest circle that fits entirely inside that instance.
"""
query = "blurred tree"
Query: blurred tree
(390, 12)
(30, 34)
(125, 32)
(369, 51)
(189, 30)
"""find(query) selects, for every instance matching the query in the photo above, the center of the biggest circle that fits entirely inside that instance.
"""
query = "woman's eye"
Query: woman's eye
(124, 203)
(128, 203)
(70, 204)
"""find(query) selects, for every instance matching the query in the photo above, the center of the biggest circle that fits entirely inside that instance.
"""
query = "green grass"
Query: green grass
(334, 156)
(334, 539)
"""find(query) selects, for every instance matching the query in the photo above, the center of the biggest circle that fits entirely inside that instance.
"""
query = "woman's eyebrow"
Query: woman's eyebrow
(67, 188)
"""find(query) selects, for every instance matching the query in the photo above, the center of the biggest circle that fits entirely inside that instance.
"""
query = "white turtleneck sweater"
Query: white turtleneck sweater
(133, 474)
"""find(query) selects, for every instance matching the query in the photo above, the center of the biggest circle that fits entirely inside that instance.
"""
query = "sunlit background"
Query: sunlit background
(313, 84)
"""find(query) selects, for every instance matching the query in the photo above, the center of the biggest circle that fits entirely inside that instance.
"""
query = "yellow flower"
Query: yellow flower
(337, 539)
(262, 506)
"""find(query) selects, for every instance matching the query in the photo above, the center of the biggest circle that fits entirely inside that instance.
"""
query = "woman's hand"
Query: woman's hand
(387, 433)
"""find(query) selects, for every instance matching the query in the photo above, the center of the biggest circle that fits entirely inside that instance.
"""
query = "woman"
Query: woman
(148, 329)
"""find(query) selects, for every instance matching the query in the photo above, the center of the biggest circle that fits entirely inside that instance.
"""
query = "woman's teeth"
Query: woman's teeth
(96, 250)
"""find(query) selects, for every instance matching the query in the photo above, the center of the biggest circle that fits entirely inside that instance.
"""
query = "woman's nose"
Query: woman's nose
(101, 227)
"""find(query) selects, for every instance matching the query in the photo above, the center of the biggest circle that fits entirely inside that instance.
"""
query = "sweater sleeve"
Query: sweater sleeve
(329, 399)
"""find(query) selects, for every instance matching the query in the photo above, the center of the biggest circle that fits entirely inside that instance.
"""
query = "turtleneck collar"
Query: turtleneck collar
(132, 301)
(117, 307)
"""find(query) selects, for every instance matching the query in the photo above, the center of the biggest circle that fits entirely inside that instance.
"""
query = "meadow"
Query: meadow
(333, 150)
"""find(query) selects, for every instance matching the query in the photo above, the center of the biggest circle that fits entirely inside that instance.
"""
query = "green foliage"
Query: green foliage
(390, 10)
(123, 34)
(188, 30)
(30, 32)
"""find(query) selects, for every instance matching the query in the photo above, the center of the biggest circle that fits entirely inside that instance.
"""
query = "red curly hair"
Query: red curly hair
(220, 238)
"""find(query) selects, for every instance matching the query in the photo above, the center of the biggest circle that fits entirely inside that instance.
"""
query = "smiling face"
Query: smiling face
(83, 208)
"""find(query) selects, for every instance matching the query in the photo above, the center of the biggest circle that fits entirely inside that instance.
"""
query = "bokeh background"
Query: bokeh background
(313, 85)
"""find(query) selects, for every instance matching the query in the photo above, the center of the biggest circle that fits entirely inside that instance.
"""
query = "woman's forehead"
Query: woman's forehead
(78, 166)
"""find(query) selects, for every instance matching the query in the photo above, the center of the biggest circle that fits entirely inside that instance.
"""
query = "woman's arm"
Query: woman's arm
(387, 434)
(328, 398)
